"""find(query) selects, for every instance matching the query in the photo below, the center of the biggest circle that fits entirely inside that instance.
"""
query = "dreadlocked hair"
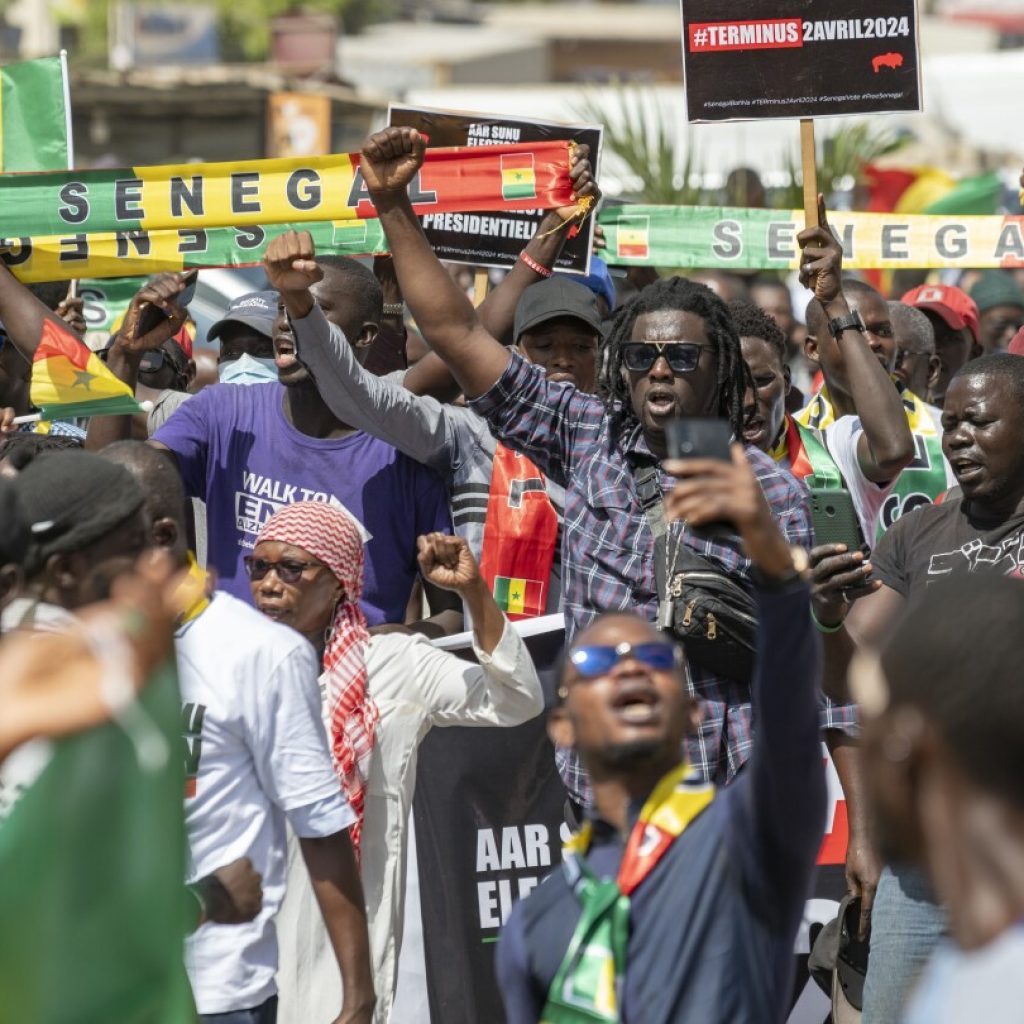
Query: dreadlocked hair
(675, 293)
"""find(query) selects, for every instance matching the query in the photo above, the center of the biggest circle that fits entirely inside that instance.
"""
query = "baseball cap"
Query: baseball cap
(996, 288)
(257, 310)
(950, 303)
(555, 297)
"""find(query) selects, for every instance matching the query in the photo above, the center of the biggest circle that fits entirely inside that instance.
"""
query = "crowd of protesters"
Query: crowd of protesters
(832, 561)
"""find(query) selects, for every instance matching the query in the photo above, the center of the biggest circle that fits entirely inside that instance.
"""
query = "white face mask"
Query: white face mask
(247, 369)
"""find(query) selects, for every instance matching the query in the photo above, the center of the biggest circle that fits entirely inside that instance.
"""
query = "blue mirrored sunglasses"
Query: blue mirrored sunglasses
(591, 662)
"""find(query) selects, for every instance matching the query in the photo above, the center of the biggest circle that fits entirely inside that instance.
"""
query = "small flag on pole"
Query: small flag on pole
(34, 116)
(70, 381)
(518, 179)
(519, 597)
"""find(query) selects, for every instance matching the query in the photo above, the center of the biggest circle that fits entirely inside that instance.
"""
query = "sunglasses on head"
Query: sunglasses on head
(682, 356)
(593, 661)
(289, 570)
(157, 359)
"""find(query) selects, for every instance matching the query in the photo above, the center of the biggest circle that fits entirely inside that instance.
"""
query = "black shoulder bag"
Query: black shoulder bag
(708, 613)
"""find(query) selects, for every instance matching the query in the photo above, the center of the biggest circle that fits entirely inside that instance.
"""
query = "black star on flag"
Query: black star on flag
(82, 379)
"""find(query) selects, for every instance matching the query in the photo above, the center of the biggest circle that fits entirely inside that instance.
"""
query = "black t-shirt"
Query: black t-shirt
(936, 541)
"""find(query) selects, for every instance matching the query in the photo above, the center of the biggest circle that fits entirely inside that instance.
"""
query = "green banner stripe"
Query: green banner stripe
(34, 132)
(121, 406)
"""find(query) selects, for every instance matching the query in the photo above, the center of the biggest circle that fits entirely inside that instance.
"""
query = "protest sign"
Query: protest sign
(497, 241)
(756, 59)
(115, 223)
(733, 239)
(489, 812)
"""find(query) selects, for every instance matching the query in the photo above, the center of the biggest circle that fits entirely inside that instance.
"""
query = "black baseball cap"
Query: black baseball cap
(257, 310)
(555, 297)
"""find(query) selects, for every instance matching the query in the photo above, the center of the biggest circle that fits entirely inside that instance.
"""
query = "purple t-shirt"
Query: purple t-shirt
(238, 453)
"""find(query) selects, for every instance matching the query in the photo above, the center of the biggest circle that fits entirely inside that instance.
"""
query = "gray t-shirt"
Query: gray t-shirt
(454, 441)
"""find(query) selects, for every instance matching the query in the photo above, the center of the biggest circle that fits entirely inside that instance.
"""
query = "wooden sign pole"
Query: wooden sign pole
(808, 158)
(481, 282)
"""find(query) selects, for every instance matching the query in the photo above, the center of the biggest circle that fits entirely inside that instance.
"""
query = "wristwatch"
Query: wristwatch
(394, 309)
(851, 322)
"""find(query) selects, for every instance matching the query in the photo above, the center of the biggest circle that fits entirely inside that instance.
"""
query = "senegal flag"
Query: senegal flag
(33, 116)
(69, 381)
(519, 597)
(518, 179)
(634, 238)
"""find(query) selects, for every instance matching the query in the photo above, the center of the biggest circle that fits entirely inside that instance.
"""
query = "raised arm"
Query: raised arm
(886, 446)
(504, 689)
(132, 342)
(430, 376)
(442, 312)
(781, 813)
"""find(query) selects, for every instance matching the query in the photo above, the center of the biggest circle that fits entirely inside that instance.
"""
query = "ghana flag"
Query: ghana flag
(33, 116)
(69, 381)
(519, 597)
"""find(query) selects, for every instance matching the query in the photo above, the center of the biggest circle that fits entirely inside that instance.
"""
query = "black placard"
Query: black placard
(496, 239)
(757, 59)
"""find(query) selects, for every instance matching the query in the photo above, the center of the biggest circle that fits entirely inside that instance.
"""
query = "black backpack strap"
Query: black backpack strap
(648, 490)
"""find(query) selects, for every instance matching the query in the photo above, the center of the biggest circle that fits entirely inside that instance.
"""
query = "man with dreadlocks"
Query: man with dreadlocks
(673, 352)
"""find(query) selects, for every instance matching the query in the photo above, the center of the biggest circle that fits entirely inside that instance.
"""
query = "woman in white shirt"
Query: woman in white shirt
(381, 695)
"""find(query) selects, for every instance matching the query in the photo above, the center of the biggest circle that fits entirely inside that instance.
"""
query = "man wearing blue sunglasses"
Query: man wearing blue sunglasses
(677, 903)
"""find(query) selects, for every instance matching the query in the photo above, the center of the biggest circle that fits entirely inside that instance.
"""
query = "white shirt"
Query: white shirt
(984, 985)
(842, 438)
(255, 750)
(415, 686)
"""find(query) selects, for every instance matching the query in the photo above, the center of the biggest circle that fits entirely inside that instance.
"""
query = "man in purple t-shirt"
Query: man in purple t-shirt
(246, 451)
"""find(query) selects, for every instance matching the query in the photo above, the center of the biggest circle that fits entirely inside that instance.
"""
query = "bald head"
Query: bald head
(164, 494)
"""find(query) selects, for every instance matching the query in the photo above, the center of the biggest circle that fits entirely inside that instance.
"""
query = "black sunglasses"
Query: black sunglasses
(288, 570)
(682, 356)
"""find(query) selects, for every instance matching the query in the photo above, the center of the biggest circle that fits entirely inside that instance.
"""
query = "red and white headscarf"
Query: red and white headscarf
(333, 536)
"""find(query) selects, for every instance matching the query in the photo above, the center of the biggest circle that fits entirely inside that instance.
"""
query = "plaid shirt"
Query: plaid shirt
(608, 546)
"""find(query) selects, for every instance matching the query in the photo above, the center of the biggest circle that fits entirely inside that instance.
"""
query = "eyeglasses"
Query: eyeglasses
(288, 570)
(682, 356)
(591, 662)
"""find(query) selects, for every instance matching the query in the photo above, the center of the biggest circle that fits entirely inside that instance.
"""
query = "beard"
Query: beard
(628, 755)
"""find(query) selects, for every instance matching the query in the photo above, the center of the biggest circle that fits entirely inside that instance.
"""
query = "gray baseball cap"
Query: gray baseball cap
(257, 310)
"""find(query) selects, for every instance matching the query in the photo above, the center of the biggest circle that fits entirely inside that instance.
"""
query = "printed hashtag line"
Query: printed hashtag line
(700, 37)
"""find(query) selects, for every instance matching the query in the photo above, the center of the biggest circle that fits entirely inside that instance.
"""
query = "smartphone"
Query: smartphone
(152, 315)
(692, 438)
(835, 518)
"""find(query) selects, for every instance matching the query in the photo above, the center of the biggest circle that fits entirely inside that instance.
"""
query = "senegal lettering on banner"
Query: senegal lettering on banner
(139, 220)
(724, 238)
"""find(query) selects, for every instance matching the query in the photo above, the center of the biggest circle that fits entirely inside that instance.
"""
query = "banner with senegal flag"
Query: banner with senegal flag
(741, 239)
(138, 220)
(69, 381)
(34, 116)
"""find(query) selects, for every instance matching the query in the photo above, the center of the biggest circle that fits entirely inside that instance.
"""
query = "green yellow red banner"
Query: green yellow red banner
(135, 221)
(735, 239)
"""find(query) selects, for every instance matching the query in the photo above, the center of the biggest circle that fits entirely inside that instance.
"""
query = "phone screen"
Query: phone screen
(693, 438)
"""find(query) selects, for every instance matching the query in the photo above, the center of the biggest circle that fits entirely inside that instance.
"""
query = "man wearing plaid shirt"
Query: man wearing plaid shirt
(672, 352)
